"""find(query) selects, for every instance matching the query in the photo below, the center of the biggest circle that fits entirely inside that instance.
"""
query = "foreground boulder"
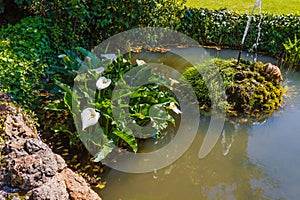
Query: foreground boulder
(28, 166)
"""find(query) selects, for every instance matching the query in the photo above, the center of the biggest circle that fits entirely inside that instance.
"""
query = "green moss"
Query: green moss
(249, 92)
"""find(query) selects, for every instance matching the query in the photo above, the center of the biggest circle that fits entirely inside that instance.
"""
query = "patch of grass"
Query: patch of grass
(269, 6)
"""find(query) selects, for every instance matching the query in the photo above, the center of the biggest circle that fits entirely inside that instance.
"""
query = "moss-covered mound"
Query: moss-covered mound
(252, 89)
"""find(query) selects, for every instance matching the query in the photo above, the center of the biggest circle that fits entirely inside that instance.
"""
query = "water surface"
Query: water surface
(249, 161)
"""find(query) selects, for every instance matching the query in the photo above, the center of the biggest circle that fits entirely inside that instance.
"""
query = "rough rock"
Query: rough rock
(77, 187)
(28, 166)
(56, 184)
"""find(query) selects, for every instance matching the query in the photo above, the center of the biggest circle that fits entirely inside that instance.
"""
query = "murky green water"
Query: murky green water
(249, 161)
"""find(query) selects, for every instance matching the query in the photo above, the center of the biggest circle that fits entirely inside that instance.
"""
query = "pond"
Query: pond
(249, 161)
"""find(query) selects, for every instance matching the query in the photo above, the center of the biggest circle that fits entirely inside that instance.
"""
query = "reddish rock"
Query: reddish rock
(53, 189)
(28, 165)
(77, 187)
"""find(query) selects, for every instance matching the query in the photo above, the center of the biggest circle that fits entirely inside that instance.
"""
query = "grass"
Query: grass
(270, 6)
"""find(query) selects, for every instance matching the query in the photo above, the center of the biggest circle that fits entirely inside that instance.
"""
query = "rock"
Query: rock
(15, 126)
(77, 187)
(3, 195)
(31, 171)
(28, 166)
(273, 73)
(53, 189)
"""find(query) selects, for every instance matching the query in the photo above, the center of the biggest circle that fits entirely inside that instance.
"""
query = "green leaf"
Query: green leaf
(56, 105)
(65, 87)
(105, 150)
(128, 137)
(94, 60)
(68, 101)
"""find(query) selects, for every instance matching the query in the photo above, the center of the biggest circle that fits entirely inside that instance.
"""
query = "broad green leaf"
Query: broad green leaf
(105, 150)
(94, 60)
(128, 137)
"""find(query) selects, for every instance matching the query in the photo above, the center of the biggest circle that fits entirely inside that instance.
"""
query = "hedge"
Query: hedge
(29, 58)
(226, 28)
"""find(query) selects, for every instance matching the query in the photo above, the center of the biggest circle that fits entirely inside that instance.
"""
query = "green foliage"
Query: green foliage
(226, 28)
(270, 6)
(28, 58)
(249, 89)
(87, 23)
(292, 53)
(23, 59)
(20, 3)
(121, 121)
(93, 21)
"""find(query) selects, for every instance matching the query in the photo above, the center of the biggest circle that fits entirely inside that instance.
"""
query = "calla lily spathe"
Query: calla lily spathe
(110, 56)
(61, 55)
(98, 70)
(89, 117)
(173, 81)
(173, 107)
(103, 83)
(140, 62)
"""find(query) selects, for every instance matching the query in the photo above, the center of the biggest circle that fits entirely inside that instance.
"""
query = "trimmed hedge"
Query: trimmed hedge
(92, 21)
(225, 28)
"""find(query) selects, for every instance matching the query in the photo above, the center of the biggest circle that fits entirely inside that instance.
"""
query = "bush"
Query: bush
(28, 58)
(226, 28)
(292, 53)
(90, 22)
(93, 21)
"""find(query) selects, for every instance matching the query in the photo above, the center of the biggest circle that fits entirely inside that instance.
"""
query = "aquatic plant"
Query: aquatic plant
(292, 53)
(148, 104)
(250, 88)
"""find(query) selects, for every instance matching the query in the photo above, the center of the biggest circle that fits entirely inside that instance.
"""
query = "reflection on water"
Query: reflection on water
(249, 161)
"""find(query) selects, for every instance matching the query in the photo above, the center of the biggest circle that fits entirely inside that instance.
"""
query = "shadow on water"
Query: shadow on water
(249, 161)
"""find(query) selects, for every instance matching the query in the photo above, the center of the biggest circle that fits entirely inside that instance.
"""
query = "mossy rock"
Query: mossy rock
(252, 90)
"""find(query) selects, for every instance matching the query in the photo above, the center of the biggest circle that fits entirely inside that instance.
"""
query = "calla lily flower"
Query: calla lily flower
(111, 56)
(103, 83)
(89, 117)
(173, 81)
(140, 62)
(173, 107)
(61, 55)
(98, 70)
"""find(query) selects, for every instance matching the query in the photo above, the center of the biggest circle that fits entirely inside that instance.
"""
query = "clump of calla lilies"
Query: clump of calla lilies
(91, 103)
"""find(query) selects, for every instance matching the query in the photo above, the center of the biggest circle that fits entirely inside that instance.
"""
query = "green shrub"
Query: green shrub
(28, 58)
(292, 53)
(19, 3)
(92, 21)
(226, 28)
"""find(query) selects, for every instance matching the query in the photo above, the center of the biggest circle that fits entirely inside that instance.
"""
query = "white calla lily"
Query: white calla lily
(89, 117)
(103, 83)
(140, 62)
(61, 55)
(110, 56)
(173, 107)
(98, 70)
(173, 81)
